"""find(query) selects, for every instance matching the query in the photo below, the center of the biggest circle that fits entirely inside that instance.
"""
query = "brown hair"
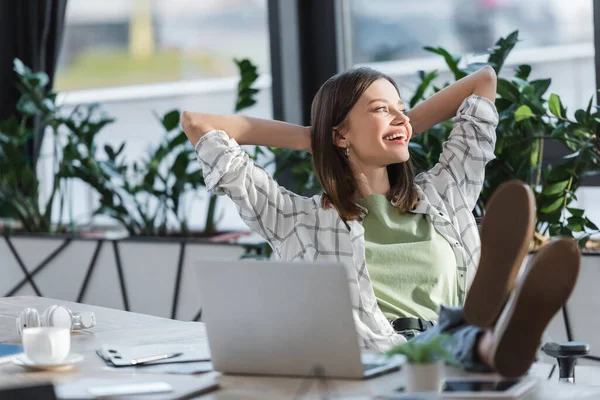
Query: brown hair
(331, 105)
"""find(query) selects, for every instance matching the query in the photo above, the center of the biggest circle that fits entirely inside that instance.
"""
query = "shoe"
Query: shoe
(506, 235)
(541, 292)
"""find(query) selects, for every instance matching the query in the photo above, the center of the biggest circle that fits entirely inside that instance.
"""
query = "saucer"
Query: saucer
(67, 363)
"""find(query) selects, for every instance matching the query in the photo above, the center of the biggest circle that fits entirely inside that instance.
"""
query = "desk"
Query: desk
(115, 326)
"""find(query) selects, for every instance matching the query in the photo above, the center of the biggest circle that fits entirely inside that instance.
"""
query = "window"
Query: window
(384, 30)
(140, 57)
(556, 38)
(126, 42)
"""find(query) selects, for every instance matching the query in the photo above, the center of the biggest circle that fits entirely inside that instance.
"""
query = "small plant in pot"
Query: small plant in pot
(425, 362)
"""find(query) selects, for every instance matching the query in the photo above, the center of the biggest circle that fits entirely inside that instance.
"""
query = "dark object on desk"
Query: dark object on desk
(566, 354)
(37, 392)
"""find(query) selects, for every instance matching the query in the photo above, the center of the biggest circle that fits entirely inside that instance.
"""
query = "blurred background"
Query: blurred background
(139, 56)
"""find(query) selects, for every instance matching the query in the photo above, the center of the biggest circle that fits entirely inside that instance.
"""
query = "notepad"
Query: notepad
(120, 356)
(9, 350)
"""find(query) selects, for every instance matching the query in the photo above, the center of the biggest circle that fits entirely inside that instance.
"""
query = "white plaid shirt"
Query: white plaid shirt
(297, 228)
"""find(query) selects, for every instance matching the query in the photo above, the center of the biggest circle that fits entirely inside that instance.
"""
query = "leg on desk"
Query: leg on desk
(510, 346)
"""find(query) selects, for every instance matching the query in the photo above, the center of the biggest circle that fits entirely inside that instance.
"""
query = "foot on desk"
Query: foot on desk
(506, 234)
(542, 290)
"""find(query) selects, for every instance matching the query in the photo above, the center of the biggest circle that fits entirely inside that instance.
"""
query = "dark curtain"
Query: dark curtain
(32, 31)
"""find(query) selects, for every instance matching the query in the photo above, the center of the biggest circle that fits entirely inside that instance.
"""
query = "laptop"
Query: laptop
(281, 318)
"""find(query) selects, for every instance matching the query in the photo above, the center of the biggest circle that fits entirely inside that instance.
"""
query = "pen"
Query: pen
(154, 358)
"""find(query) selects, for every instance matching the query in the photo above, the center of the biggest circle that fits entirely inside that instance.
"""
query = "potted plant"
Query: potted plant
(23, 208)
(425, 359)
(529, 120)
(155, 249)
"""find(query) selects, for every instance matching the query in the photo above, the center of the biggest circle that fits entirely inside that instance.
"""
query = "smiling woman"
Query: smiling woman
(410, 245)
(352, 114)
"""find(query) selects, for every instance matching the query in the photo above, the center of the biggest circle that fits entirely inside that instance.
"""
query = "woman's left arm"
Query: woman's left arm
(444, 104)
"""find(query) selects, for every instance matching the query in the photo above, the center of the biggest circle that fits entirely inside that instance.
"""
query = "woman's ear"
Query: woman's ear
(339, 139)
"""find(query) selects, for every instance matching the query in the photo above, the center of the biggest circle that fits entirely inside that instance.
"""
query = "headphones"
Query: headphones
(56, 316)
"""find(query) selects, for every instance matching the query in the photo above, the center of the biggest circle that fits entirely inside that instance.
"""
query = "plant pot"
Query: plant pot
(423, 377)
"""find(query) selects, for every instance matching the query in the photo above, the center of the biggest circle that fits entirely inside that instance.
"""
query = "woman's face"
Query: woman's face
(377, 129)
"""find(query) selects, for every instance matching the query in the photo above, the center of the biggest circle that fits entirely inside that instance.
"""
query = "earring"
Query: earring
(347, 151)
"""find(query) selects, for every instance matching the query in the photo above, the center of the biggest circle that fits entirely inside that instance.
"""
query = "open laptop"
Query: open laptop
(278, 318)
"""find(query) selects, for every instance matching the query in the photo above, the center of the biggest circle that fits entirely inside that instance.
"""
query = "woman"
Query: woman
(409, 244)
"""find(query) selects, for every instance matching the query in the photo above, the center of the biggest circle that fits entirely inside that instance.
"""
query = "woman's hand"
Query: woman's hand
(194, 126)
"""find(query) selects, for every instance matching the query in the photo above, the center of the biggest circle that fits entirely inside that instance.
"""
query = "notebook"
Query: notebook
(121, 356)
(9, 350)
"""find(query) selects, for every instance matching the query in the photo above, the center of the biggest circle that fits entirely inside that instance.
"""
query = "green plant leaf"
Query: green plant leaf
(170, 120)
(523, 113)
(555, 106)
(426, 80)
(246, 94)
(508, 90)
(580, 116)
(39, 79)
(27, 106)
(451, 60)
(555, 188)
(576, 224)
(20, 68)
(576, 212)
(501, 50)
(109, 152)
(424, 352)
(523, 71)
(540, 86)
(591, 225)
(553, 206)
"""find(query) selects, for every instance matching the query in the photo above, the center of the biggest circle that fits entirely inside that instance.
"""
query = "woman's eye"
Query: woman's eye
(382, 108)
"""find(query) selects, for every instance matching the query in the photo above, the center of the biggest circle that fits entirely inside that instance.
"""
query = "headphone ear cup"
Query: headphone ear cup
(28, 318)
(58, 317)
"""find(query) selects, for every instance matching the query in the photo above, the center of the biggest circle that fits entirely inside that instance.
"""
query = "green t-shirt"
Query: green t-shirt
(412, 267)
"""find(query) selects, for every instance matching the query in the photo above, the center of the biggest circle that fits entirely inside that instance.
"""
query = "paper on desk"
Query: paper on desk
(120, 356)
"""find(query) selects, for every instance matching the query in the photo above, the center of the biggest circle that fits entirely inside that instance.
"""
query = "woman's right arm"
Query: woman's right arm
(265, 206)
(247, 130)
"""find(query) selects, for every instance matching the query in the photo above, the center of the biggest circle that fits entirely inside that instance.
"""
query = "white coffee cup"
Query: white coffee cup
(46, 345)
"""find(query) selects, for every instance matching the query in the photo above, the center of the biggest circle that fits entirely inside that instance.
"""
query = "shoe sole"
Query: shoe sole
(544, 288)
(506, 235)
